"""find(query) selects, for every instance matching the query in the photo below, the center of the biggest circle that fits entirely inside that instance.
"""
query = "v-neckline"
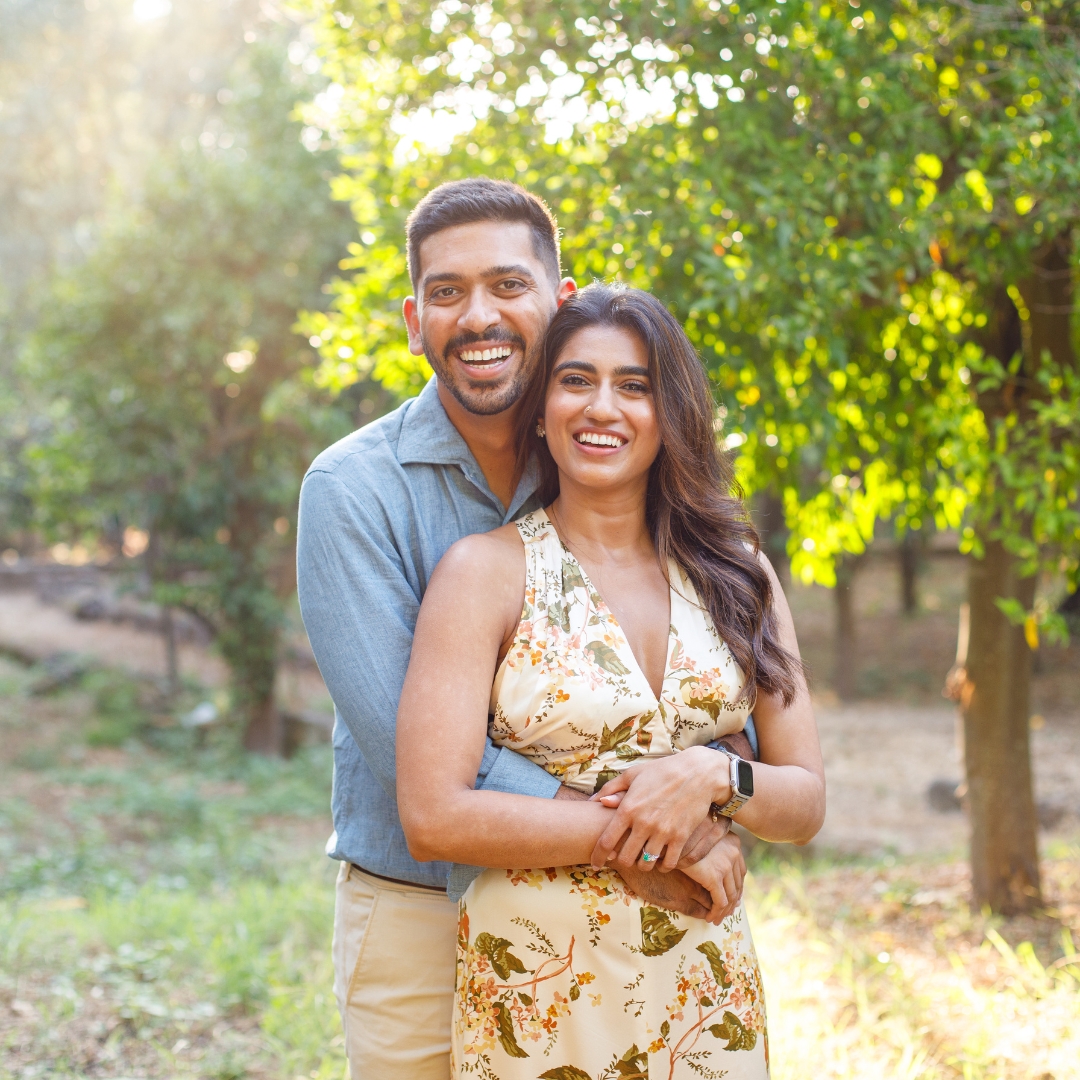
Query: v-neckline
(590, 587)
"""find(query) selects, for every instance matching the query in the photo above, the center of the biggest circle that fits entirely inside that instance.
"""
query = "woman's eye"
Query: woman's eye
(636, 387)
(575, 380)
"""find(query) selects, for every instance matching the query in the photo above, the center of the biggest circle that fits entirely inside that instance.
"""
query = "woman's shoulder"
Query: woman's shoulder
(484, 555)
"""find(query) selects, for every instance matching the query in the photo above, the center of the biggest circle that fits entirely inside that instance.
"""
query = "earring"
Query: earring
(540, 428)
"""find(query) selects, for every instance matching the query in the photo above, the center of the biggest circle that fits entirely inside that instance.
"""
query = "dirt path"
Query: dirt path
(880, 756)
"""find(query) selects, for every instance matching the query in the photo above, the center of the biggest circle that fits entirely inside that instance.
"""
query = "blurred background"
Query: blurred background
(864, 214)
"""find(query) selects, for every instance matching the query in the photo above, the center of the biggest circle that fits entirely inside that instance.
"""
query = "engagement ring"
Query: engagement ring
(646, 857)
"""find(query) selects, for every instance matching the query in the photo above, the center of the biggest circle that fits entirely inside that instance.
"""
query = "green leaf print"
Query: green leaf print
(609, 739)
(658, 933)
(565, 1072)
(497, 950)
(559, 615)
(524, 998)
(627, 753)
(603, 777)
(506, 1033)
(712, 953)
(633, 1065)
(571, 577)
(575, 991)
(607, 658)
(738, 1037)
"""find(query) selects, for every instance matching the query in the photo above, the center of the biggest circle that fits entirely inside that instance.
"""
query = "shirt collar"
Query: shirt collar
(428, 437)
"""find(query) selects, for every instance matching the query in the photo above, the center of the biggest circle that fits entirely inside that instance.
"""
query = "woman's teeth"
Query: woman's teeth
(594, 438)
(485, 356)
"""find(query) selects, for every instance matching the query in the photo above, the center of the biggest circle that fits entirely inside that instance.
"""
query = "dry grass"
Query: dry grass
(885, 972)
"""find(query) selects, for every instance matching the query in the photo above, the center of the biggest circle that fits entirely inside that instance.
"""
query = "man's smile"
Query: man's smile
(488, 357)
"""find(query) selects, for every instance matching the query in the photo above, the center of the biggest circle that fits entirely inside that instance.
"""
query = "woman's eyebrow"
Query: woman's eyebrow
(575, 365)
(631, 370)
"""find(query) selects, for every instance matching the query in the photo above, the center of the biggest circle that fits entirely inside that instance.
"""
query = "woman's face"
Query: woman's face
(599, 415)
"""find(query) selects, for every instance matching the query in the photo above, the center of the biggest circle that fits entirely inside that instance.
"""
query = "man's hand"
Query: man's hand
(702, 840)
(739, 744)
(721, 872)
(674, 891)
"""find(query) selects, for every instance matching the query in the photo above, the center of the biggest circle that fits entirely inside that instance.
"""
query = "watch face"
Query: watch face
(746, 779)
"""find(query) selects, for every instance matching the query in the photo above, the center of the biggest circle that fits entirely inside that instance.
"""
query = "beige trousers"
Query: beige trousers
(394, 953)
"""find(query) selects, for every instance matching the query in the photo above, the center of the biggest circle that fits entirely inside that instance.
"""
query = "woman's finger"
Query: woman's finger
(608, 842)
(637, 843)
(611, 801)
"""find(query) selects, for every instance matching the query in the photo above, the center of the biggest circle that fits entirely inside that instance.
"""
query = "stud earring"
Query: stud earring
(540, 428)
(588, 409)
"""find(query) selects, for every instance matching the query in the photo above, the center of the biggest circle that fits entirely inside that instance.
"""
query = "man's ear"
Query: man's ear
(567, 286)
(410, 311)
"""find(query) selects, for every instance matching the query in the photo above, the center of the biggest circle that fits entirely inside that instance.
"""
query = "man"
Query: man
(377, 512)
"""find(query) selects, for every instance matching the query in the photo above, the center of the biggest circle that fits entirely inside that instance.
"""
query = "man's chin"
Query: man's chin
(484, 399)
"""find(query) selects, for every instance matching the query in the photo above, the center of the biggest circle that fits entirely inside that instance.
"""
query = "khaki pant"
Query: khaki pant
(394, 959)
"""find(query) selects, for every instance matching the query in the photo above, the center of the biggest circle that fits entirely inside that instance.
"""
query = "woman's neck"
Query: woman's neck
(603, 526)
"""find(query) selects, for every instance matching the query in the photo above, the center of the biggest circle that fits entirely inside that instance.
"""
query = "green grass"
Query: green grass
(165, 908)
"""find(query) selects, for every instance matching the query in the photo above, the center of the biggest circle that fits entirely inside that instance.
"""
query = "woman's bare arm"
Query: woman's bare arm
(471, 608)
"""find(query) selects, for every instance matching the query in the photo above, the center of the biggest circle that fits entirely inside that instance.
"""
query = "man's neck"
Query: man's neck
(490, 440)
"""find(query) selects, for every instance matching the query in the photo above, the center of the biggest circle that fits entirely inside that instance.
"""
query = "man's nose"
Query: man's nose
(480, 312)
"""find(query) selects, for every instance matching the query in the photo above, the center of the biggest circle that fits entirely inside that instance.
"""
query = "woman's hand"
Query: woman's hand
(721, 872)
(659, 804)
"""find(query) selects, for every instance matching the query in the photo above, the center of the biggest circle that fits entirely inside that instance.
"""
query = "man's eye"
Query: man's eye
(511, 284)
(443, 293)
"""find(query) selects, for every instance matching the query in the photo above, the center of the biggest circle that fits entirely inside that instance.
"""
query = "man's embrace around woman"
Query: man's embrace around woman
(541, 874)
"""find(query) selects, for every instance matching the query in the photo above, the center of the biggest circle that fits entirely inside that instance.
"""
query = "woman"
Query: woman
(626, 626)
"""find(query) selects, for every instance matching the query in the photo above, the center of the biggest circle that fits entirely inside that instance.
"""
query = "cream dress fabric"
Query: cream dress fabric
(563, 973)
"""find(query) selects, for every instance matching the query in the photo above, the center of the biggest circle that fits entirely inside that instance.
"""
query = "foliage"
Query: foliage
(834, 199)
(181, 401)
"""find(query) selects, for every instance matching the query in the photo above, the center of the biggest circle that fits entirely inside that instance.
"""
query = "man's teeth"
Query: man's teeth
(594, 438)
(485, 356)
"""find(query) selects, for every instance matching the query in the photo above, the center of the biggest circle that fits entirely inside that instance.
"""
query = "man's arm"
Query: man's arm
(360, 613)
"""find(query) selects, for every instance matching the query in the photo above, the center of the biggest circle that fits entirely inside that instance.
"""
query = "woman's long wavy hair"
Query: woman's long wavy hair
(694, 506)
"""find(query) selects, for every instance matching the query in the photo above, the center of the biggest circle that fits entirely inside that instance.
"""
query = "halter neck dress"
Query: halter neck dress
(564, 973)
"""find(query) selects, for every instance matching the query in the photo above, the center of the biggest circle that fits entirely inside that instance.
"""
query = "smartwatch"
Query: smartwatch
(742, 786)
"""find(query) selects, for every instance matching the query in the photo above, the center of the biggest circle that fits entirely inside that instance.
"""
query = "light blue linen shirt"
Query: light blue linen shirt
(377, 512)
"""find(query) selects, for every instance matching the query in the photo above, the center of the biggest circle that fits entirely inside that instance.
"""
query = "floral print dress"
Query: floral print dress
(563, 973)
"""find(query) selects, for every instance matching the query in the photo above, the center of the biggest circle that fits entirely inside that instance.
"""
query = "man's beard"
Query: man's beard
(485, 400)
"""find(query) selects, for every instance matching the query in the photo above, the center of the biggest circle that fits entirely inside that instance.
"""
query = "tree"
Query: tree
(181, 397)
(844, 203)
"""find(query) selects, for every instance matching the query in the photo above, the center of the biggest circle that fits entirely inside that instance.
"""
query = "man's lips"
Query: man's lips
(598, 439)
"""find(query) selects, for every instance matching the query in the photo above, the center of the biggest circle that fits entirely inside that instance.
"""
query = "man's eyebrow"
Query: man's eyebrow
(512, 270)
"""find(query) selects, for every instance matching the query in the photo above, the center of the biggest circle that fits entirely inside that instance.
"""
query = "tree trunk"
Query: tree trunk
(1004, 847)
(845, 668)
(768, 515)
(910, 552)
(172, 667)
(996, 696)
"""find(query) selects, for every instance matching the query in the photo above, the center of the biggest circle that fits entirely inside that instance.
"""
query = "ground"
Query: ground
(165, 909)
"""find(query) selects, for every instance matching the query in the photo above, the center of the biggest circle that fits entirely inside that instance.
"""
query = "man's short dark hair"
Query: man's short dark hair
(462, 202)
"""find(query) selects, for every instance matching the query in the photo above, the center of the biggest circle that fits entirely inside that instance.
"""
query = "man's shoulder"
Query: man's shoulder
(372, 448)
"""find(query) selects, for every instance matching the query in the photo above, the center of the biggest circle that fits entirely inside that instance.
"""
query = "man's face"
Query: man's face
(484, 300)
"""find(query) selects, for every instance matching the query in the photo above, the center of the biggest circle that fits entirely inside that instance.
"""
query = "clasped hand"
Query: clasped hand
(662, 807)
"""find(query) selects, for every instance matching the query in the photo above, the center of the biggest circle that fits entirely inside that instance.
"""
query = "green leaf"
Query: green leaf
(575, 991)
(609, 739)
(506, 1033)
(665, 1029)
(497, 950)
(658, 933)
(524, 998)
(603, 777)
(633, 1065)
(565, 1072)
(738, 1037)
(627, 753)
(571, 577)
(607, 658)
(711, 953)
